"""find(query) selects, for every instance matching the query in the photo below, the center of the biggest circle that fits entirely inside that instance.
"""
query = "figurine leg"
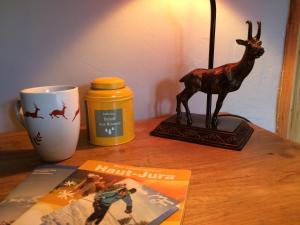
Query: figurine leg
(188, 113)
(180, 98)
(185, 98)
(178, 106)
(219, 104)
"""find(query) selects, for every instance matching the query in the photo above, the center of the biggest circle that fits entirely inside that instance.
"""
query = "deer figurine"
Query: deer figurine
(34, 114)
(223, 79)
(56, 113)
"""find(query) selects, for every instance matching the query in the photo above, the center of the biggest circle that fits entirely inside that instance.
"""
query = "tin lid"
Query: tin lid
(108, 83)
(109, 95)
(108, 89)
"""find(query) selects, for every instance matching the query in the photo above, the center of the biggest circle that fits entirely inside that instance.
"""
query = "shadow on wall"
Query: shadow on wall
(165, 96)
(12, 114)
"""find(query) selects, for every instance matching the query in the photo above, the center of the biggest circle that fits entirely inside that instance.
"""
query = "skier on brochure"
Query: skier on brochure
(103, 201)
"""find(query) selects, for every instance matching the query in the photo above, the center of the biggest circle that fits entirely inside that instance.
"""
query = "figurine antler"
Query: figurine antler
(258, 31)
(249, 29)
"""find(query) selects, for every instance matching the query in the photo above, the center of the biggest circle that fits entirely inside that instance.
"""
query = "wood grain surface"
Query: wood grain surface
(259, 185)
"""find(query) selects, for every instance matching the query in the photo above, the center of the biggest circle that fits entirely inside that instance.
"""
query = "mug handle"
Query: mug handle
(19, 112)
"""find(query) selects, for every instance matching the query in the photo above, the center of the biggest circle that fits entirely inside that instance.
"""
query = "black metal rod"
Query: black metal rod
(213, 12)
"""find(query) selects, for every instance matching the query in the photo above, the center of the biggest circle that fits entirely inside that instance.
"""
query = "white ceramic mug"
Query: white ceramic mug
(52, 118)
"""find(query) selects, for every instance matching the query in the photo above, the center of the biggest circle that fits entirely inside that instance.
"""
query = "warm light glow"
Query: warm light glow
(179, 5)
(142, 27)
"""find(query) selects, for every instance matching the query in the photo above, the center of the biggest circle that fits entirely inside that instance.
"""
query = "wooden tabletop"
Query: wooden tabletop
(258, 185)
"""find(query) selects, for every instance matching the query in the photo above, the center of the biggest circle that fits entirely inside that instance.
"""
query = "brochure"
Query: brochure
(108, 193)
(40, 182)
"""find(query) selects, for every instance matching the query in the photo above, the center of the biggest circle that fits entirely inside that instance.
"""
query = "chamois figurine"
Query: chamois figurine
(223, 79)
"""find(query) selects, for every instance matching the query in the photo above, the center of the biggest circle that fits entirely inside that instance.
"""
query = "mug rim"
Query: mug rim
(48, 89)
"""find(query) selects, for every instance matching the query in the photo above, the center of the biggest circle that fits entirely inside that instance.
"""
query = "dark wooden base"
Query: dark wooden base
(231, 132)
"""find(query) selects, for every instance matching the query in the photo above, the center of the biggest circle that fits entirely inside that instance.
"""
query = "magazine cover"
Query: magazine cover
(107, 193)
(104, 207)
(41, 181)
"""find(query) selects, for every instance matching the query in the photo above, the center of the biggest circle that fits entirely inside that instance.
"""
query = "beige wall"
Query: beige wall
(150, 43)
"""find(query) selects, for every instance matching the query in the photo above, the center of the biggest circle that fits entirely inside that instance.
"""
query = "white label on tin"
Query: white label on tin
(109, 123)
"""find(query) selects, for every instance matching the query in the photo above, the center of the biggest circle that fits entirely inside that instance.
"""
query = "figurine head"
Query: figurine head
(253, 44)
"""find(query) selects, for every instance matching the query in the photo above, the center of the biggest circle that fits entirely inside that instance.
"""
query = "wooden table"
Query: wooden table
(259, 185)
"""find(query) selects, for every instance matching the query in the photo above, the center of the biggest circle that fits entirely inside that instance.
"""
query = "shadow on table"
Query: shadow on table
(14, 161)
(17, 161)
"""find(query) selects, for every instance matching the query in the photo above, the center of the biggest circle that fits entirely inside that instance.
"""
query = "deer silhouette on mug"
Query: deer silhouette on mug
(56, 113)
(220, 80)
(34, 114)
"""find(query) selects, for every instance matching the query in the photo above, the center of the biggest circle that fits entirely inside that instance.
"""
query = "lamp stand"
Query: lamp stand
(230, 133)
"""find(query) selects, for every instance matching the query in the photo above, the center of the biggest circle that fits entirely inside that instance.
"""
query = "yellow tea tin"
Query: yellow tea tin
(109, 106)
